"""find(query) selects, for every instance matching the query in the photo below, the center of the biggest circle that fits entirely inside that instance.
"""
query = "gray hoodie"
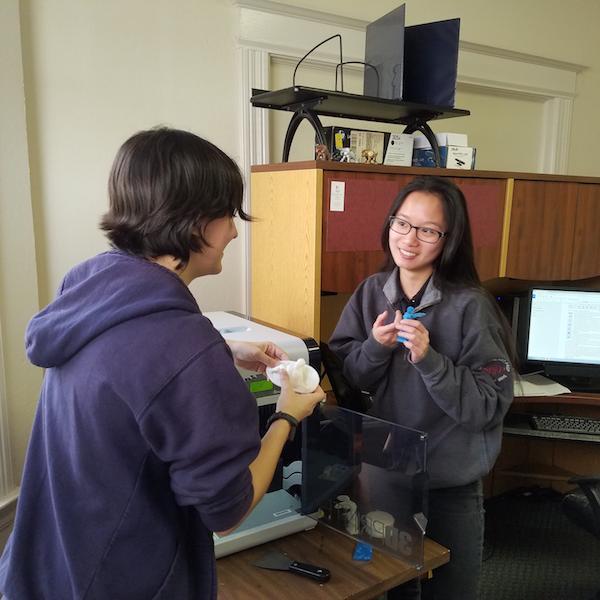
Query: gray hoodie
(458, 394)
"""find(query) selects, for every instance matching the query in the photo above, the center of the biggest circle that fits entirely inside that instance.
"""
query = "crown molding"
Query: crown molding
(308, 14)
(520, 57)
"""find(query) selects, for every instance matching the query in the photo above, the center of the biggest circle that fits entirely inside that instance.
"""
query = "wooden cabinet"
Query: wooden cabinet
(486, 203)
(307, 256)
(554, 231)
(285, 249)
(586, 241)
(351, 239)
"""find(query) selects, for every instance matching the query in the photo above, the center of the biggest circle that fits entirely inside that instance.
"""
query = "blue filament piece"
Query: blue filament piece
(362, 551)
(410, 314)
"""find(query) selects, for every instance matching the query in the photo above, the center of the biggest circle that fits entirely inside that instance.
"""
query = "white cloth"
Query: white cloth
(303, 377)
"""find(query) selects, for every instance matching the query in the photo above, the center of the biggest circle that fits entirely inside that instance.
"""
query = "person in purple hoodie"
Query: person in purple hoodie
(145, 440)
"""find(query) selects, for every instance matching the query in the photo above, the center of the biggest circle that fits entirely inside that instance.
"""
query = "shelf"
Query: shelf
(518, 424)
(551, 435)
(351, 106)
(309, 103)
(537, 471)
(574, 398)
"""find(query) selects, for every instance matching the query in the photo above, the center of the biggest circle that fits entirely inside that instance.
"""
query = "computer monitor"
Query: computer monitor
(559, 333)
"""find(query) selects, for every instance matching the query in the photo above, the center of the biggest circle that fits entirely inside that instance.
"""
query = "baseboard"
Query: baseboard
(7, 519)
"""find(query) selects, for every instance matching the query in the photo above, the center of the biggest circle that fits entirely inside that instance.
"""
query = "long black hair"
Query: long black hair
(455, 266)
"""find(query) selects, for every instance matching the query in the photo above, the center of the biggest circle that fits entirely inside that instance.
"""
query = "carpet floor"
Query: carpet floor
(534, 552)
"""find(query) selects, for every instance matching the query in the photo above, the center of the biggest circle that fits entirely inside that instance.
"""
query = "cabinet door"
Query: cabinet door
(485, 203)
(542, 225)
(285, 249)
(352, 236)
(351, 242)
(586, 243)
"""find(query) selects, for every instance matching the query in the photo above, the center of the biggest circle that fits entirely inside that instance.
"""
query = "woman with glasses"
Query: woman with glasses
(447, 372)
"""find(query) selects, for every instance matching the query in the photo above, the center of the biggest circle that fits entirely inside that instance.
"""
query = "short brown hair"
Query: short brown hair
(165, 185)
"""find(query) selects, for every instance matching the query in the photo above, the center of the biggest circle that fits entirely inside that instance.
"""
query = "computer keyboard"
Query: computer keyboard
(566, 424)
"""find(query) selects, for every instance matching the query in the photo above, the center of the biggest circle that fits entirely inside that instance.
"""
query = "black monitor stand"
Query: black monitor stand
(308, 103)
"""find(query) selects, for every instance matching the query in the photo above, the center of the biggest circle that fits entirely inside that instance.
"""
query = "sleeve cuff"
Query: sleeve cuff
(222, 518)
(431, 364)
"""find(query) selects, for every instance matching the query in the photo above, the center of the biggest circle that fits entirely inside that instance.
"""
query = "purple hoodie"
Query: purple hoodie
(140, 445)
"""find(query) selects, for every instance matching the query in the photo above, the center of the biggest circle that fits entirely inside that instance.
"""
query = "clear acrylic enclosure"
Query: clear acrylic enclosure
(366, 478)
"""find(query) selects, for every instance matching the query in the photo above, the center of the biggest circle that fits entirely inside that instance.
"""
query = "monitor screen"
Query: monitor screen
(561, 331)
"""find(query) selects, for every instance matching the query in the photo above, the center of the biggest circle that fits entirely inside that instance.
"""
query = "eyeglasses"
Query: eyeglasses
(425, 234)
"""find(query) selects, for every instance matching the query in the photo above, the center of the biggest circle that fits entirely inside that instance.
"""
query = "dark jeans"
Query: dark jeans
(456, 521)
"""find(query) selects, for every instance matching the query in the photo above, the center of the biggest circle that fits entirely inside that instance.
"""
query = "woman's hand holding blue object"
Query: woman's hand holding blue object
(256, 356)
(416, 338)
(297, 405)
(386, 334)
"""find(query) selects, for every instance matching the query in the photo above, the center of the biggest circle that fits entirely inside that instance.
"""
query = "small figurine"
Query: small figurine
(321, 152)
(349, 514)
(346, 155)
(369, 156)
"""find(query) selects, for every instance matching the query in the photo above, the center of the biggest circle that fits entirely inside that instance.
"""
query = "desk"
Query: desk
(532, 457)
(240, 580)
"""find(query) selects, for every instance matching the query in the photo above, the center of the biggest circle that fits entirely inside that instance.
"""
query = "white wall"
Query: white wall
(19, 381)
(96, 71)
(89, 75)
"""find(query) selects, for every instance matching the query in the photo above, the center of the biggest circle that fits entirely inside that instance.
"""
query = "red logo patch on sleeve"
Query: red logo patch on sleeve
(498, 369)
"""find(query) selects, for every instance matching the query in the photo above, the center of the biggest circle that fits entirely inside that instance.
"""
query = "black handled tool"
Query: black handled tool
(280, 562)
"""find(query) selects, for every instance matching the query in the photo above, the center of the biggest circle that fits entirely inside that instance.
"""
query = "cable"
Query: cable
(314, 48)
(355, 62)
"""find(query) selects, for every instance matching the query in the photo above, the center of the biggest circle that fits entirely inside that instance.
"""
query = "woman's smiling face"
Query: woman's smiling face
(419, 209)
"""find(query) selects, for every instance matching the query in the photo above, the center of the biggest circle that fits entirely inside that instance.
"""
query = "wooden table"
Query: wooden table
(239, 579)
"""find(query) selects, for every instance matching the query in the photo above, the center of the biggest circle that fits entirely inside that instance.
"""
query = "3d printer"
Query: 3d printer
(277, 514)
